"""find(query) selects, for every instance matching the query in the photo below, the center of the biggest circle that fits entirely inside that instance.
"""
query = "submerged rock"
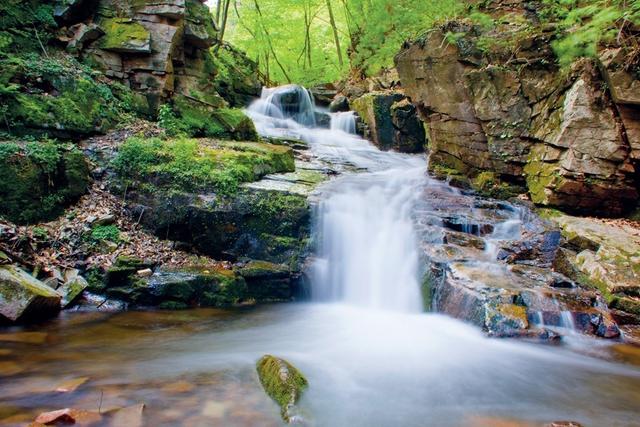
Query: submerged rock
(25, 298)
(284, 383)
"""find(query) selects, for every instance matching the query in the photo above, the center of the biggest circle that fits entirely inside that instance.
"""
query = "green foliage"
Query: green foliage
(59, 94)
(370, 33)
(37, 179)
(103, 233)
(583, 25)
(25, 25)
(168, 121)
(190, 165)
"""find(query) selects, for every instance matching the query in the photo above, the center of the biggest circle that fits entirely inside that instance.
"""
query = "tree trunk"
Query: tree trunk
(335, 33)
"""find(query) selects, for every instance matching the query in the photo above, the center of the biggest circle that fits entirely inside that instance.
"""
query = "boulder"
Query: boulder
(603, 255)
(24, 298)
(339, 104)
(267, 281)
(324, 94)
(284, 383)
(391, 120)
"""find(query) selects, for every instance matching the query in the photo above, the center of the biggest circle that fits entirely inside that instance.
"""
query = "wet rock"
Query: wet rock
(283, 383)
(339, 104)
(538, 249)
(391, 120)
(25, 298)
(267, 281)
(324, 94)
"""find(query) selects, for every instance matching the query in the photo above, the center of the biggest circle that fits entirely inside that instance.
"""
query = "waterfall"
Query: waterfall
(366, 252)
(344, 121)
(367, 242)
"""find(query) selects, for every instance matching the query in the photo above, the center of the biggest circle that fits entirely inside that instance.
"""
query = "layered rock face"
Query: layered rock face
(391, 121)
(494, 101)
(157, 47)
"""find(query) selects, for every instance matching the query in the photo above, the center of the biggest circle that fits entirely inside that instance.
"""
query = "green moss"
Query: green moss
(59, 96)
(105, 232)
(124, 35)
(283, 382)
(540, 176)
(199, 165)
(198, 118)
(37, 180)
(173, 305)
(488, 184)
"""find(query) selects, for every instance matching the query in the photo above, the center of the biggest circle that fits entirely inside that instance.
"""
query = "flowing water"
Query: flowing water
(370, 353)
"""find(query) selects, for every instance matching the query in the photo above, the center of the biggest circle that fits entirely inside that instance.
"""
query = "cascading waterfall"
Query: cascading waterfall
(344, 121)
(367, 249)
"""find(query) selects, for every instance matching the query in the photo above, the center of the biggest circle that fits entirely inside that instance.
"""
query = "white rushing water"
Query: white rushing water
(372, 357)
(367, 251)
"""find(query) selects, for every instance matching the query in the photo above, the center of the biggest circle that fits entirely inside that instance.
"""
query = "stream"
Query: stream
(371, 354)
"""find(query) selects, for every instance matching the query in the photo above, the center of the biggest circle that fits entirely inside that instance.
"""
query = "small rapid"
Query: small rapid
(366, 252)
(371, 355)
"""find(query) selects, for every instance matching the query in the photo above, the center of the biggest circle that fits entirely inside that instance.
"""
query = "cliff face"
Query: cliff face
(159, 47)
(496, 102)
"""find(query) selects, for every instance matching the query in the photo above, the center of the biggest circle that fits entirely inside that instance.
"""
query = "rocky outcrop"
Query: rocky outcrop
(392, 121)
(603, 255)
(159, 48)
(495, 102)
(503, 282)
(24, 298)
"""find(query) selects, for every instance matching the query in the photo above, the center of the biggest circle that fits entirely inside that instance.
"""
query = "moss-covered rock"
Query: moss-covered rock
(38, 179)
(60, 97)
(200, 118)
(236, 77)
(124, 35)
(267, 281)
(283, 382)
(197, 165)
(24, 298)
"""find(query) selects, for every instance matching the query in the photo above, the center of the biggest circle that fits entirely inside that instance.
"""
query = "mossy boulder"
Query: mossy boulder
(375, 109)
(607, 255)
(24, 298)
(203, 286)
(284, 383)
(200, 118)
(267, 281)
(191, 165)
(38, 179)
